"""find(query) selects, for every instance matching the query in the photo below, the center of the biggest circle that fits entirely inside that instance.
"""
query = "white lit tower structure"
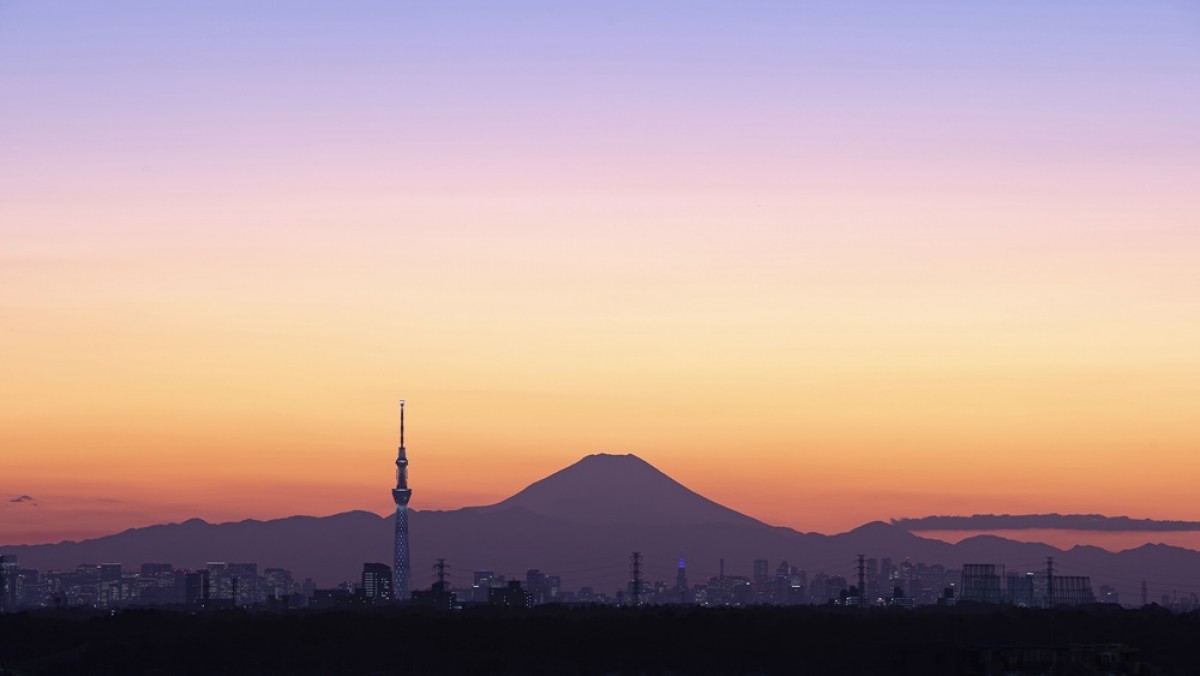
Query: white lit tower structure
(401, 494)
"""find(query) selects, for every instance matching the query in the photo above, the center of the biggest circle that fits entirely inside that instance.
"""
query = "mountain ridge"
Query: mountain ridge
(581, 522)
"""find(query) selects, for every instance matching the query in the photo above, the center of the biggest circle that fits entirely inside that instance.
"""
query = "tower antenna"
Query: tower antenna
(441, 575)
(635, 572)
(862, 582)
(401, 494)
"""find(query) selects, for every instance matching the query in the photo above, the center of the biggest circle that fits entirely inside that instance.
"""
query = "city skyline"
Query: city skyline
(565, 532)
(826, 264)
(576, 524)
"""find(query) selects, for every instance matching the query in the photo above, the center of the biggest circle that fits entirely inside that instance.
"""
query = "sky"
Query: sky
(822, 262)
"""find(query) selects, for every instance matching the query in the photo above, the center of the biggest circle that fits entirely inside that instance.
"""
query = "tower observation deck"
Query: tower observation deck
(401, 494)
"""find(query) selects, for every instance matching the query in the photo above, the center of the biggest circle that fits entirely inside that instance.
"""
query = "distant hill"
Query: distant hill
(581, 523)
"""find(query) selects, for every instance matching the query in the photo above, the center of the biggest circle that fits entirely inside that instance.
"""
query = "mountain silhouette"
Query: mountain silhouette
(608, 489)
(581, 523)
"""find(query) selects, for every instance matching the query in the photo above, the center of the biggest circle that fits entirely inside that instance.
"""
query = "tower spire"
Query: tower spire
(401, 494)
(401, 460)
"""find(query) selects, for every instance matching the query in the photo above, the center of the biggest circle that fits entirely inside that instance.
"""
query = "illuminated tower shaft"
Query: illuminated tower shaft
(401, 494)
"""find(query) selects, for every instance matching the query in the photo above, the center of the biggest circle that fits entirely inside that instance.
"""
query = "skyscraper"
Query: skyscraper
(401, 494)
(376, 582)
(760, 572)
(681, 585)
(8, 583)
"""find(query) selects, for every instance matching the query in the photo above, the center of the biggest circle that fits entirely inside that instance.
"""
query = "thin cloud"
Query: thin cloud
(1088, 522)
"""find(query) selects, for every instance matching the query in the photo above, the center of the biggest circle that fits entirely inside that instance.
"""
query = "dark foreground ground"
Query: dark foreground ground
(549, 640)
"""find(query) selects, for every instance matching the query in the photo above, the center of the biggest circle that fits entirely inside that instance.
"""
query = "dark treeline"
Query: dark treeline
(555, 640)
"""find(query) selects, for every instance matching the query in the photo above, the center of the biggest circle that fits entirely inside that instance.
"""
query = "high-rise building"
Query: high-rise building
(31, 589)
(220, 587)
(278, 584)
(377, 582)
(1019, 588)
(511, 596)
(760, 573)
(111, 593)
(243, 578)
(8, 583)
(484, 580)
(537, 584)
(196, 588)
(156, 584)
(401, 494)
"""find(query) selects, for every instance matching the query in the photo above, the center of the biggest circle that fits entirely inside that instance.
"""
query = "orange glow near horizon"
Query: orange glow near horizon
(819, 268)
(814, 389)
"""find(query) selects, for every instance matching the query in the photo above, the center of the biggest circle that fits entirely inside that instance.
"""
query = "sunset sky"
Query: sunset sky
(821, 262)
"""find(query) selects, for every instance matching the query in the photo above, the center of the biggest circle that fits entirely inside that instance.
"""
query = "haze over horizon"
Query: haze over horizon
(594, 485)
(581, 521)
(823, 264)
